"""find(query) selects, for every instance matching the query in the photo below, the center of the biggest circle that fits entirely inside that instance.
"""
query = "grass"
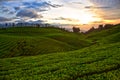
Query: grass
(36, 41)
(63, 66)
(59, 55)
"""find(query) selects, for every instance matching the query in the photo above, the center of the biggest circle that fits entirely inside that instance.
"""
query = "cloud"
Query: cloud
(77, 2)
(30, 21)
(8, 0)
(111, 16)
(105, 9)
(98, 22)
(4, 9)
(26, 9)
(17, 8)
(11, 13)
(3, 19)
(16, 5)
(47, 9)
(29, 13)
(111, 3)
(67, 19)
(41, 5)
(93, 7)
(37, 21)
(55, 5)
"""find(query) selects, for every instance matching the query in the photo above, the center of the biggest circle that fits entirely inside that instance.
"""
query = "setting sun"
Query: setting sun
(87, 18)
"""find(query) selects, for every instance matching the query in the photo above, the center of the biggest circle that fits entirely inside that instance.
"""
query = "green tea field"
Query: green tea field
(55, 54)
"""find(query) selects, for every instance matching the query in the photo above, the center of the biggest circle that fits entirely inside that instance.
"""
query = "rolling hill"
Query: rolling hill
(65, 55)
(30, 41)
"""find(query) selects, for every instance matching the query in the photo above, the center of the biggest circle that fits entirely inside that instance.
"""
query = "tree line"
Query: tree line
(5, 25)
(74, 29)
(101, 27)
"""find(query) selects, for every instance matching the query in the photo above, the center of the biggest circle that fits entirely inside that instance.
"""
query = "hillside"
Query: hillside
(110, 35)
(93, 56)
(33, 41)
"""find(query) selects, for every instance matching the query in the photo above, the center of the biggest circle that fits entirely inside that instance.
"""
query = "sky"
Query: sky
(61, 12)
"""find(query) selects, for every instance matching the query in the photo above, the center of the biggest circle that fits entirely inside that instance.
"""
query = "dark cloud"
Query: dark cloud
(8, 0)
(111, 3)
(30, 21)
(3, 19)
(55, 5)
(106, 9)
(93, 7)
(4, 9)
(41, 5)
(105, 4)
(98, 22)
(37, 21)
(20, 21)
(17, 8)
(67, 19)
(11, 13)
(107, 13)
(62, 18)
(29, 13)
(111, 16)
(25, 9)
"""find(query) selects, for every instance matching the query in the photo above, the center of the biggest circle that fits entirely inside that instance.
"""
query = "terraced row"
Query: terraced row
(24, 41)
(11, 47)
(79, 65)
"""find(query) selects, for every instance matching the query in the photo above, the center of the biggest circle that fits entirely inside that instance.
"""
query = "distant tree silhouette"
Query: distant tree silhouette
(91, 30)
(76, 30)
(100, 27)
(21, 24)
(13, 24)
(108, 26)
(37, 25)
(6, 24)
(46, 25)
(117, 24)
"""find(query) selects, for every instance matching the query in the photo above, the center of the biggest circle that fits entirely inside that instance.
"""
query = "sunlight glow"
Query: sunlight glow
(87, 18)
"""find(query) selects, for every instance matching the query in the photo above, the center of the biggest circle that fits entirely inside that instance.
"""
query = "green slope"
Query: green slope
(106, 36)
(103, 33)
(100, 61)
(95, 62)
(34, 41)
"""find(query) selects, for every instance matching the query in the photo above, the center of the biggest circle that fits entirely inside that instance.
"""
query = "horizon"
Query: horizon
(83, 14)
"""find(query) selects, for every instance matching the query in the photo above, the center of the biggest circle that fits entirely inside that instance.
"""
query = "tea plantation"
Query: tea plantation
(55, 54)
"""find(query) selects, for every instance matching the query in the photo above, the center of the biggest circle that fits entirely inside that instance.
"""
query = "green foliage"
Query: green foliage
(35, 41)
(106, 36)
(100, 61)
(81, 64)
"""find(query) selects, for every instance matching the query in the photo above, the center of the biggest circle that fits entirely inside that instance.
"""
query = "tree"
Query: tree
(107, 26)
(6, 24)
(100, 27)
(91, 30)
(37, 25)
(76, 30)
(21, 24)
(13, 24)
